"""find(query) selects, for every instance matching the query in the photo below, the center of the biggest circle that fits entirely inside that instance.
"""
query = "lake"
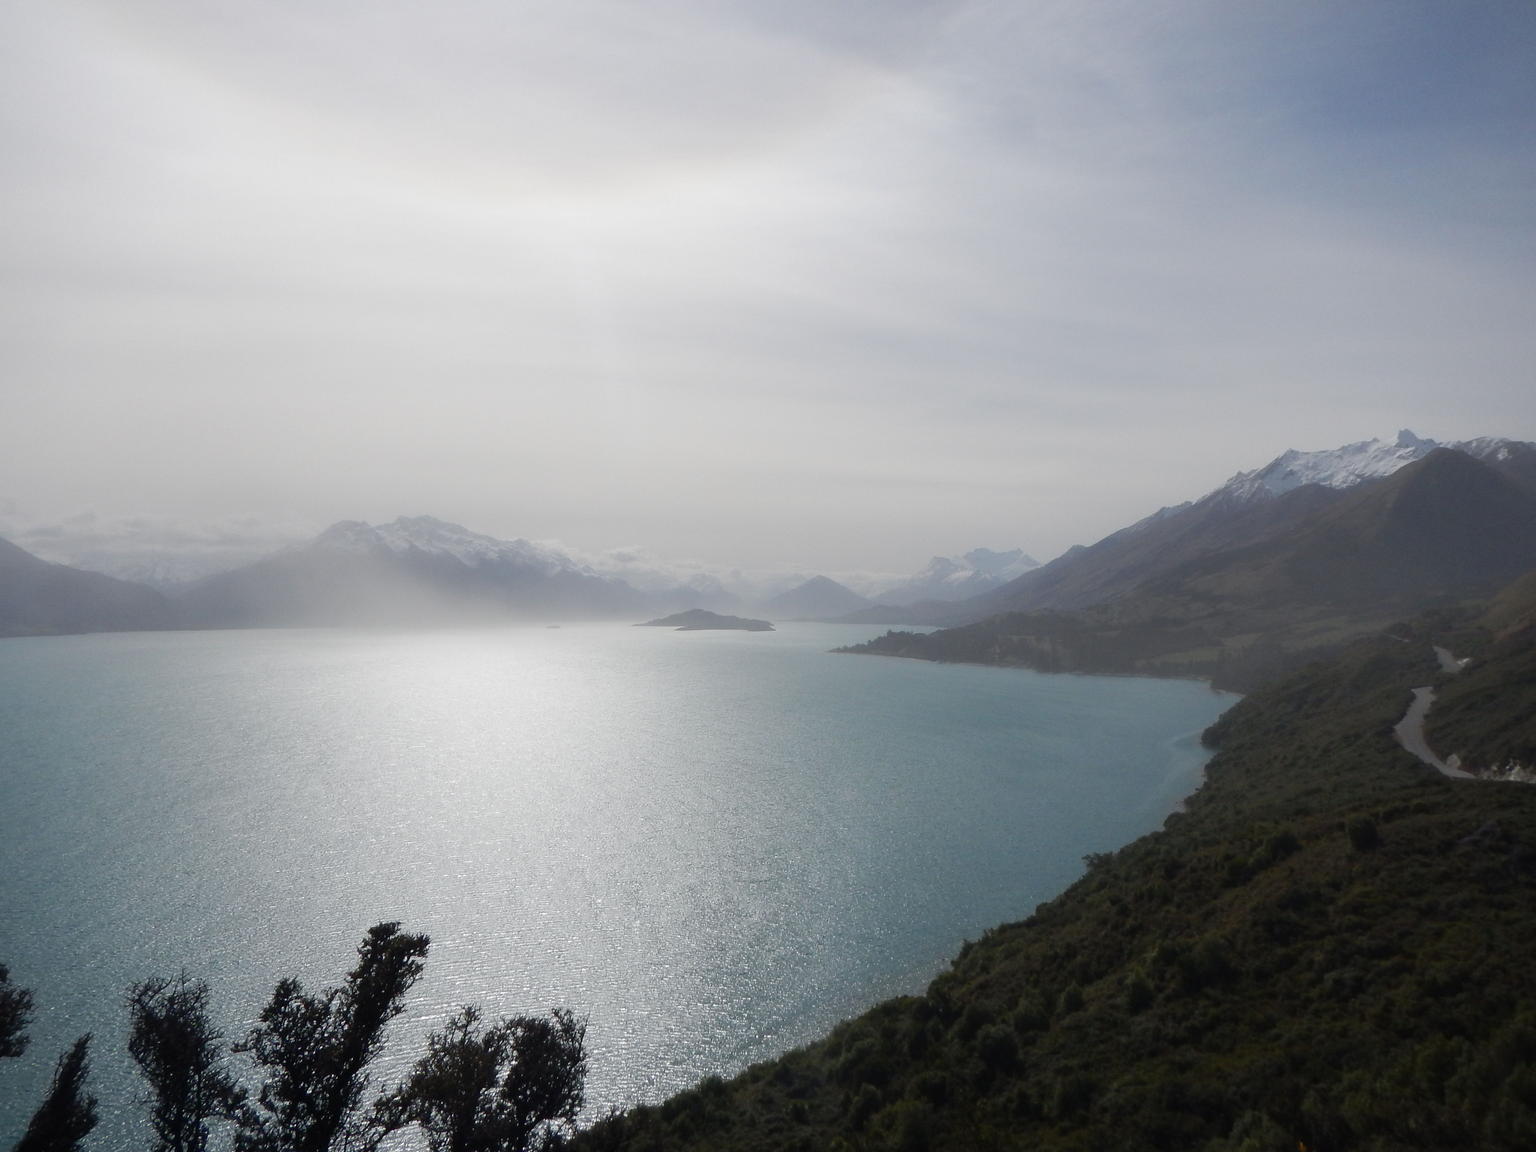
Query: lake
(714, 845)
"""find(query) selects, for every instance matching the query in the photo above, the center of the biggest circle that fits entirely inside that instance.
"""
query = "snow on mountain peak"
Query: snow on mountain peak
(437, 537)
(346, 536)
(952, 578)
(1333, 468)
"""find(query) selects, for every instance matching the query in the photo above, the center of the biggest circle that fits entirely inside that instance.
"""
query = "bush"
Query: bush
(998, 1047)
(1138, 994)
(1362, 833)
(909, 1125)
(864, 1104)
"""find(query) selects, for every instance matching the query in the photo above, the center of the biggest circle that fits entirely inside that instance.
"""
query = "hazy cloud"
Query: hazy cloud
(832, 286)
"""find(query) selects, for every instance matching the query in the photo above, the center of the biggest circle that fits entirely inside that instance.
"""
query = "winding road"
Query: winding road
(1410, 729)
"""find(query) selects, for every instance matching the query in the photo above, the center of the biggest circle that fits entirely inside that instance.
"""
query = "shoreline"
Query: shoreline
(1011, 667)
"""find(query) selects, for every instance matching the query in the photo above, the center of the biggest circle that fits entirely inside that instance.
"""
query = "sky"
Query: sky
(833, 286)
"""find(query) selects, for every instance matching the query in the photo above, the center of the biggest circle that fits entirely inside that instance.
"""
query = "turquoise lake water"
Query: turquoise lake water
(712, 844)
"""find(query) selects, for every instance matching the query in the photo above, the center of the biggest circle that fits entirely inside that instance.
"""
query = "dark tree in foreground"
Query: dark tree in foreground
(68, 1112)
(15, 1014)
(315, 1050)
(179, 1053)
(514, 1087)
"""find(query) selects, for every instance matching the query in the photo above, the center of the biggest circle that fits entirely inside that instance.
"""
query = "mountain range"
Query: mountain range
(1278, 563)
(1311, 545)
(414, 569)
(959, 578)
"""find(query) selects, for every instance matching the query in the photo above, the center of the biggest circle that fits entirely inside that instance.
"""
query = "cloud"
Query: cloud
(211, 544)
(732, 278)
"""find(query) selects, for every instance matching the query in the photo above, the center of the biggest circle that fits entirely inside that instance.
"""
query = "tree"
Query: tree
(15, 1015)
(68, 1112)
(179, 1053)
(515, 1087)
(316, 1050)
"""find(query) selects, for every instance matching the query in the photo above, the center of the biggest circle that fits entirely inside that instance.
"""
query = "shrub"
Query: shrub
(1138, 993)
(998, 1047)
(1362, 833)
(862, 1105)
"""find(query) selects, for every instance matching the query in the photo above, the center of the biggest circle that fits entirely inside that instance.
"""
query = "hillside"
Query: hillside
(1329, 949)
(1502, 669)
(40, 599)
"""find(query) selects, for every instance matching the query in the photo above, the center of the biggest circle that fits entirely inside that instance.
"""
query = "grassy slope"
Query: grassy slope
(1332, 945)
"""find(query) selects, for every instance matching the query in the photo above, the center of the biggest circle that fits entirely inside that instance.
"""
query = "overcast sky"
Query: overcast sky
(837, 285)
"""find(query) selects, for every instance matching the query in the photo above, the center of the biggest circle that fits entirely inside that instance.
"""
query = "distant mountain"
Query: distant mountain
(165, 572)
(1373, 460)
(38, 599)
(699, 591)
(1332, 468)
(1268, 503)
(819, 598)
(949, 578)
(414, 569)
(1237, 585)
(1445, 526)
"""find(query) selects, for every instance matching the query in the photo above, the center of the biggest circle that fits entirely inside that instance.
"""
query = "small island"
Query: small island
(698, 620)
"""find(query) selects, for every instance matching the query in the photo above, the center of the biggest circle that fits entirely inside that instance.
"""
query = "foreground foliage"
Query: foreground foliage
(181, 1056)
(68, 1112)
(514, 1086)
(1331, 948)
(517, 1087)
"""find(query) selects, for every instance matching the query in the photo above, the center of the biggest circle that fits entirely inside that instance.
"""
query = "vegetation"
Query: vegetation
(316, 1050)
(1330, 948)
(514, 1087)
(1236, 649)
(68, 1112)
(521, 1082)
(15, 1013)
(1486, 715)
(180, 1055)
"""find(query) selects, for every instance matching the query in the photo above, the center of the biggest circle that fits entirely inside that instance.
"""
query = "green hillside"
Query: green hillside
(1330, 949)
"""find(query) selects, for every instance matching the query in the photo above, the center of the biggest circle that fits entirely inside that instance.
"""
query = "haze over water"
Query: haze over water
(713, 844)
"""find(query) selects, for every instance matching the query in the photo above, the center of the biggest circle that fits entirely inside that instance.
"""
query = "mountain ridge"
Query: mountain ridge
(1318, 567)
(818, 598)
(40, 598)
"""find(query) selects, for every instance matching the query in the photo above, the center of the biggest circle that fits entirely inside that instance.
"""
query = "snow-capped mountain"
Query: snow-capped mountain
(414, 569)
(955, 578)
(160, 571)
(1353, 463)
(430, 536)
(1251, 509)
